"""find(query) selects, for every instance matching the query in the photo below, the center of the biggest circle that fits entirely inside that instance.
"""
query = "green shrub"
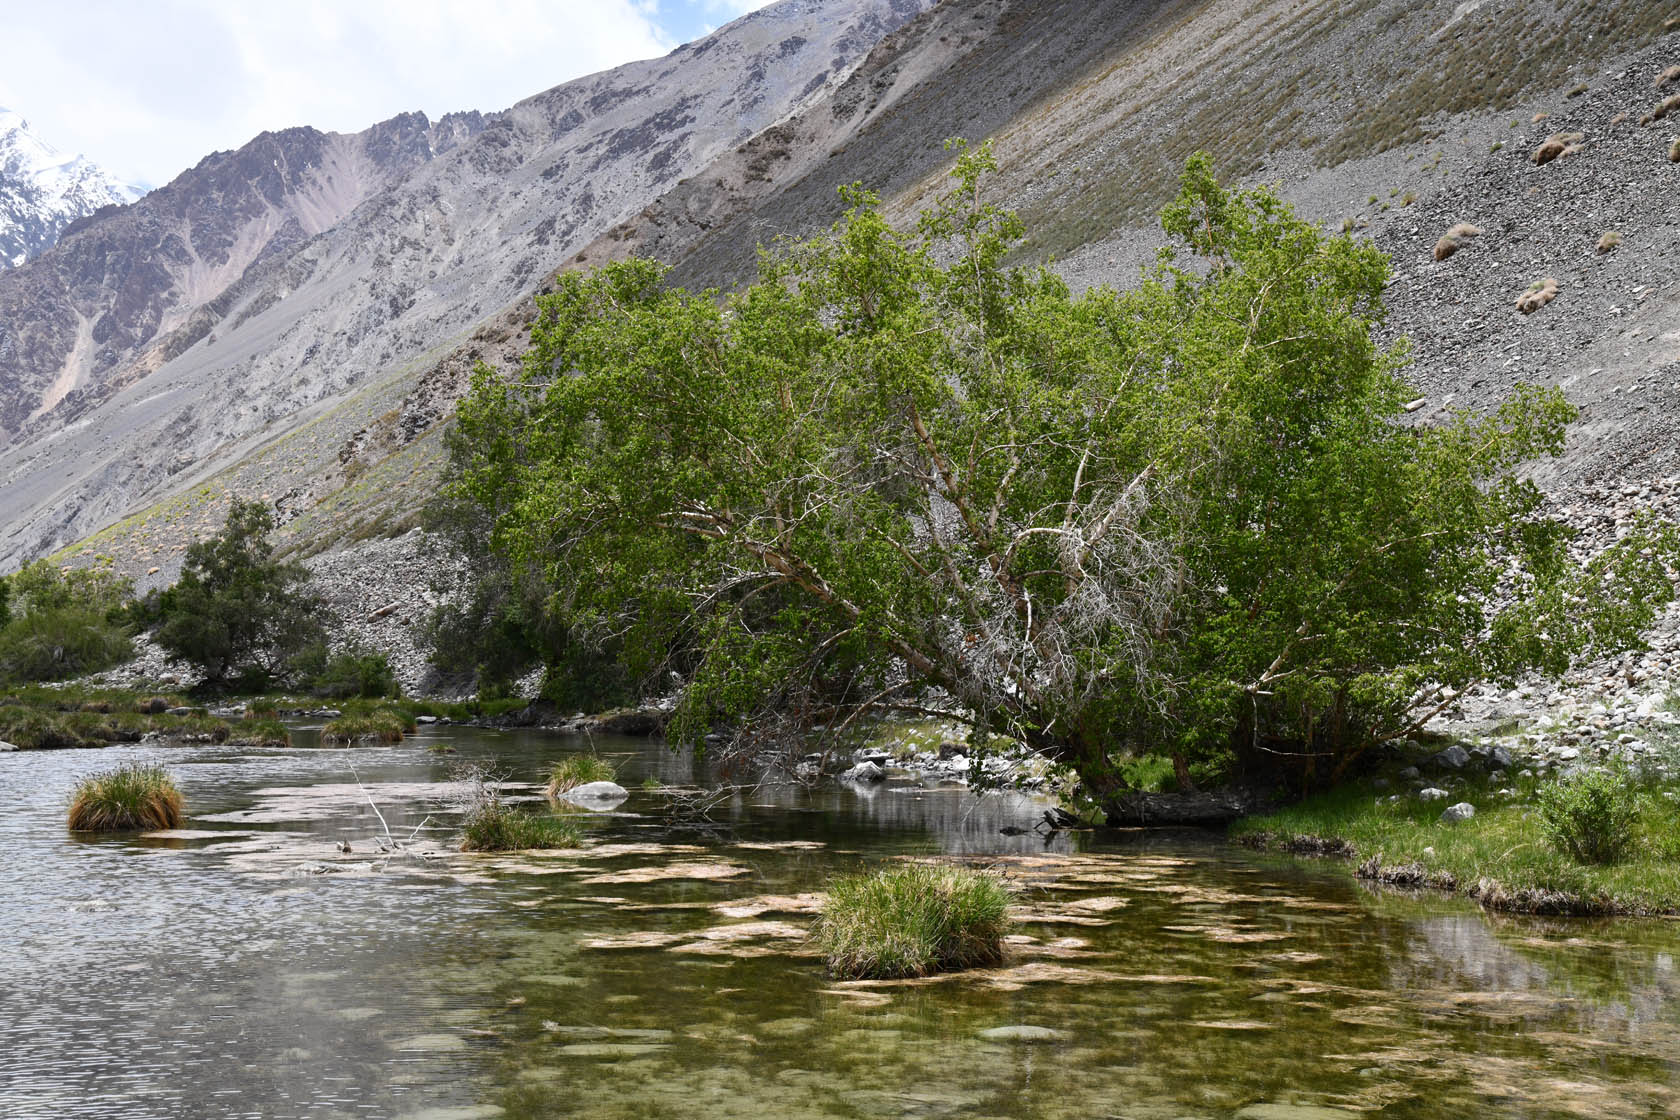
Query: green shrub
(132, 796)
(578, 770)
(351, 674)
(493, 826)
(913, 920)
(1591, 816)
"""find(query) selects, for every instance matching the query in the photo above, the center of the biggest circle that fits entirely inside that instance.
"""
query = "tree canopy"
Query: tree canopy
(897, 473)
(237, 611)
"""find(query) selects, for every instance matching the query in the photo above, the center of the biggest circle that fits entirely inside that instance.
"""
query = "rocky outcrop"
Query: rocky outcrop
(43, 191)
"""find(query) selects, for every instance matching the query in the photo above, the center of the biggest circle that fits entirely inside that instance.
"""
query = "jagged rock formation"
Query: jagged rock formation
(154, 346)
(43, 191)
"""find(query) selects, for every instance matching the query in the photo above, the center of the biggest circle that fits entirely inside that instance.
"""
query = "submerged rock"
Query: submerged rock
(1022, 1033)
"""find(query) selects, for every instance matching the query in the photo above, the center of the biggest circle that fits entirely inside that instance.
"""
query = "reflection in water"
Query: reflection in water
(245, 966)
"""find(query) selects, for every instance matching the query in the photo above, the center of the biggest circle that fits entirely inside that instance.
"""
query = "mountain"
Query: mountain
(320, 374)
(43, 191)
(157, 344)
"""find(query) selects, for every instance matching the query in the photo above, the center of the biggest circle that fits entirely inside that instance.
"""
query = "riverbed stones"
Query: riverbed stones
(1022, 1033)
(1463, 811)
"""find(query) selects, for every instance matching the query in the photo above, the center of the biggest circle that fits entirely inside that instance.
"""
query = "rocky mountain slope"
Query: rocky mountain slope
(1395, 120)
(153, 347)
(43, 191)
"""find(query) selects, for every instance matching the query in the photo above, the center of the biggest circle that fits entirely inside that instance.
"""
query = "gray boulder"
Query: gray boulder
(1022, 1033)
(1431, 793)
(864, 772)
(1454, 757)
(1463, 811)
(596, 795)
(1500, 758)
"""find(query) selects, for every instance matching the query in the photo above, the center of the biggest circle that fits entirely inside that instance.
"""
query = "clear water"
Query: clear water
(248, 968)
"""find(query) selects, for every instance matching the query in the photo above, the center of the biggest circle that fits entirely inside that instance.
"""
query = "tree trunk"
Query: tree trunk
(1198, 808)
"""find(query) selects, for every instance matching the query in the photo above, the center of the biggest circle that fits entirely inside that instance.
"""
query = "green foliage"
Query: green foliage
(493, 826)
(578, 770)
(1190, 516)
(1591, 815)
(129, 797)
(913, 920)
(260, 733)
(237, 612)
(351, 673)
(62, 623)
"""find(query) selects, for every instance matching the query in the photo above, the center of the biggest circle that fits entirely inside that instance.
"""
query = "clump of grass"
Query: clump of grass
(493, 826)
(1674, 151)
(261, 733)
(382, 726)
(197, 728)
(1591, 816)
(1539, 294)
(31, 730)
(913, 920)
(1672, 74)
(261, 710)
(1608, 241)
(1454, 239)
(1663, 108)
(578, 770)
(1557, 146)
(129, 797)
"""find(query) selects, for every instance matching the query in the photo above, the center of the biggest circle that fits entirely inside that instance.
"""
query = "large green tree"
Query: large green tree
(895, 473)
(237, 612)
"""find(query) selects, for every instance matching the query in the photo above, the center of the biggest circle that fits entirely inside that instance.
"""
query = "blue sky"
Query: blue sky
(149, 88)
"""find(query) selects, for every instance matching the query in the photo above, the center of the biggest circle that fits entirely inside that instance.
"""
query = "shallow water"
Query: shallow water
(245, 967)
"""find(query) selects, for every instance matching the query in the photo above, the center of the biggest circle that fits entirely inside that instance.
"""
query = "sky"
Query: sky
(147, 88)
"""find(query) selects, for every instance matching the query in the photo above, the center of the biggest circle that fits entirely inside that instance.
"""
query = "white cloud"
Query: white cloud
(150, 88)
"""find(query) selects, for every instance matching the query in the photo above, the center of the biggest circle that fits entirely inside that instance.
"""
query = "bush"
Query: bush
(1591, 816)
(63, 623)
(913, 920)
(129, 797)
(579, 770)
(493, 826)
(366, 676)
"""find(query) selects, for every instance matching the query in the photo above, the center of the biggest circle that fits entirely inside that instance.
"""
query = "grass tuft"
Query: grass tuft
(1539, 294)
(130, 797)
(579, 770)
(1608, 241)
(493, 826)
(261, 733)
(381, 726)
(913, 920)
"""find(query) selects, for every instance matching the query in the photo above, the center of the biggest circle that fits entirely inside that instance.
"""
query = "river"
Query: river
(245, 966)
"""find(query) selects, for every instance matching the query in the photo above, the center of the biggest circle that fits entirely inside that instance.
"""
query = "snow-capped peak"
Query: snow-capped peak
(42, 190)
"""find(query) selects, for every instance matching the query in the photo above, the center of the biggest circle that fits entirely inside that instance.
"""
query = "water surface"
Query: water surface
(247, 967)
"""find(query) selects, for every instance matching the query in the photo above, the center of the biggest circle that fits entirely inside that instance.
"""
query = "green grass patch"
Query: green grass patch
(382, 726)
(579, 770)
(260, 733)
(913, 920)
(129, 797)
(492, 826)
(1507, 856)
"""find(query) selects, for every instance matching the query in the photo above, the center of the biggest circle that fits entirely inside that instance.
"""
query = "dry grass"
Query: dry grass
(1608, 241)
(1558, 146)
(129, 797)
(1674, 151)
(1663, 108)
(1539, 294)
(1672, 74)
(1454, 239)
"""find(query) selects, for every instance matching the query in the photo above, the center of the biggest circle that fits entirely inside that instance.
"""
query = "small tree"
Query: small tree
(896, 475)
(237, 612)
